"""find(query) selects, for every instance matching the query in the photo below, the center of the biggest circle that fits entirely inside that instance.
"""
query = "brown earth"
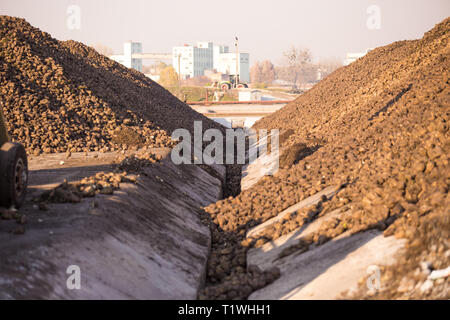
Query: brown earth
(63, 96)
(102, 182)
(379, 128)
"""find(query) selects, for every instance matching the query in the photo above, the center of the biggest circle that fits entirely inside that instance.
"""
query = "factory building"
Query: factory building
(191, 61)
(129, 49)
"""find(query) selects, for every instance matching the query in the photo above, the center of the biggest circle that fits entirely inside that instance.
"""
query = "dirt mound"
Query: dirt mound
(64, 96)
(379, 128)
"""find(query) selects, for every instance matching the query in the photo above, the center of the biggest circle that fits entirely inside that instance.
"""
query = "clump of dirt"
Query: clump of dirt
(136, 162)
(12, 214)
(382, 127)
(73, 192)
(232, 186)
(294, 153)
(228, 276)
(61, 96)
(128, 137)
(124, 169)
(240, 284)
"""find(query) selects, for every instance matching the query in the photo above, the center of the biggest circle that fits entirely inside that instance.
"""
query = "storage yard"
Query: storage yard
(363, 180)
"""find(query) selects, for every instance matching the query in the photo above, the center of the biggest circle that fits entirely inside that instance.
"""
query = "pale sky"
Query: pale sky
(329, 28)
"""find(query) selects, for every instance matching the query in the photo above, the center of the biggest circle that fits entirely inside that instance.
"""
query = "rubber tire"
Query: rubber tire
(225, 87)
(12, 154)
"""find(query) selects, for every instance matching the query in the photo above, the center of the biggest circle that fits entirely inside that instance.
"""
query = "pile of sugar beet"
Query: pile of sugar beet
(379, 128)
(61, 96)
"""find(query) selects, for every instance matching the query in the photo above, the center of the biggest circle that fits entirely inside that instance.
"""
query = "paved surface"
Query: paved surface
(266, 256)
(328, 271)
(237, 110)
(145, 241)
(256, 169)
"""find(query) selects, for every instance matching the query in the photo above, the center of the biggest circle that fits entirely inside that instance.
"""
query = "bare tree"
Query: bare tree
(267, 72)
(296, 58)
(255, 73)
(262, 72)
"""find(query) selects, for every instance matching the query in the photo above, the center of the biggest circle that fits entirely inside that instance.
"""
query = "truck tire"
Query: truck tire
(13, 174)
(224, 87)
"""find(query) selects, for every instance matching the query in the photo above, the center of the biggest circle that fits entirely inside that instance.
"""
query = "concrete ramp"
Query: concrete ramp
(266, 256)
(263, 165)
(327, 271)
(319, 271)
(146, 241)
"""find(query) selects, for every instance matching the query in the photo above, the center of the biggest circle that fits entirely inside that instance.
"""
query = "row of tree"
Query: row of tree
(297, 69)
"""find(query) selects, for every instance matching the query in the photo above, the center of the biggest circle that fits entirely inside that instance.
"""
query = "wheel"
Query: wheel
(13, 174)
(224, 86)
(242, 86)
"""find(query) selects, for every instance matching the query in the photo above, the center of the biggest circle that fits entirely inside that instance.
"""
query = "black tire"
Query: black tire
(13, 174)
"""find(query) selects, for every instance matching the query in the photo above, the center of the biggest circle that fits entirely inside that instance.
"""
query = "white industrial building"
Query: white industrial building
(227, 65)
(218, 50)
(195, 60)
(129, 49)
(192, 61)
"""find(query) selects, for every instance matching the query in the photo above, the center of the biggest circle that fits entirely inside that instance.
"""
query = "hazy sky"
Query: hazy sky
(329, 28)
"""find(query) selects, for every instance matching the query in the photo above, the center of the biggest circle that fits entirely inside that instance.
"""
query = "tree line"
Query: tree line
(297, 69)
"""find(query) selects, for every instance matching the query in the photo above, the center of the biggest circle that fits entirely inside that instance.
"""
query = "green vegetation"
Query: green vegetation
(168, 77)
(199, 94)
(260, 85)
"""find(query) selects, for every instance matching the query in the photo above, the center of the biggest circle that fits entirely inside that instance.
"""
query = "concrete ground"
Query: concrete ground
(326, 271)
(146, 241)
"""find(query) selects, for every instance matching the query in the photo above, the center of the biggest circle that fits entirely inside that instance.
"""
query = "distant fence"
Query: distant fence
(207, 103)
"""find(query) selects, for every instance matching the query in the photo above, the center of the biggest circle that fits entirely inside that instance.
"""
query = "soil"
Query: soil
(378, 128)
(61, 96)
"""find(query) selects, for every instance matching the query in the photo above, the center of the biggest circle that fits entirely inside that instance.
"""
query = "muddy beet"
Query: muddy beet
(379, 128)
(63, 96)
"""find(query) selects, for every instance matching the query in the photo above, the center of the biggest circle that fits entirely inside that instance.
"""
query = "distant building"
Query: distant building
(129, 49)
(250, 95)
(218, 50)
(154, 77)
(197, 60)
(351, 57)
(192, 61)
(227, 65)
